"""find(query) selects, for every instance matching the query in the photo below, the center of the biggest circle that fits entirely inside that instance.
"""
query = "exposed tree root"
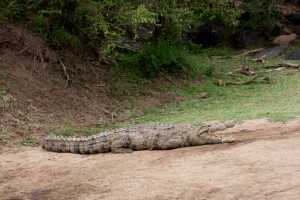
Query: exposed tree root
(172, 82)
(253, 80)
(65, 72)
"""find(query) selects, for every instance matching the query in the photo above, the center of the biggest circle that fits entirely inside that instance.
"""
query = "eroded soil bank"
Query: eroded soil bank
(264, 163)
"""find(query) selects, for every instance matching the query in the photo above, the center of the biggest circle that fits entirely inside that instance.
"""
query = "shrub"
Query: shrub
(61, 37)
(155, 58)
(260, 15)
(10, 10)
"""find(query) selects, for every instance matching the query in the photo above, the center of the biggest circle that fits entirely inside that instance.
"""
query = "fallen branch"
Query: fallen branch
(65, 72)
(238, 56)
(283, 64)
(244, 70)
(36, 71)
(112, 115)
(253, 80)
(41, 57)
(4, 41)
(20, 52)
(276, 69)
(14, 119)
(169, 80)
(261, 59)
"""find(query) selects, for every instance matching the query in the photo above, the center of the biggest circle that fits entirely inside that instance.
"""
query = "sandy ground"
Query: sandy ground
(264, 163)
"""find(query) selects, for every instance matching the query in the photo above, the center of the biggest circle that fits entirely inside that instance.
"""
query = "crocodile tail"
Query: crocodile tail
(87, 145)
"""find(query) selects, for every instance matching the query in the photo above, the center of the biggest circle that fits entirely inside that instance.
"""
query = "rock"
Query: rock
(143, 31)
(294, 18)
(267, 80)
(271, 52)
(204, 95)
(247, 38)
(207, 35)
(293, 55)
(285, 39)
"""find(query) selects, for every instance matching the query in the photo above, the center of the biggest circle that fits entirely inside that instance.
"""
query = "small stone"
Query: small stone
(268, 79)
(204, 95)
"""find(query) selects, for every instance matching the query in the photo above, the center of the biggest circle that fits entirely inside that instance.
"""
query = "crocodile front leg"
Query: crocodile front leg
(170, 141)
(208, 138)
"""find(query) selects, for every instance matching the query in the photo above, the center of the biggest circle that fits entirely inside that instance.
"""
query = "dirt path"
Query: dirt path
(263, 164)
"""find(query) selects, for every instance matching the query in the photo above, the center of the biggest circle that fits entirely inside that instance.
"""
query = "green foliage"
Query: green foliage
(10, 9)
(179, 16)
(4, 74)
(217, 11)
(2, 92)
(72, 24)
(98, 27)
(155, 58)
(101, 24)
(260, 16)
(61, 37)
(174, 17)
(3, 138)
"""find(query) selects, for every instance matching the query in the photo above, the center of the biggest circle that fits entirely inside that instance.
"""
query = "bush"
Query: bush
(10, 10)
(258, 15)
(155, 58)
(220, 12)
(61, 37)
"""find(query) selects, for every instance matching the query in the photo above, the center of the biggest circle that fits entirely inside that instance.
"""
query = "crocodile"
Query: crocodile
(140, 137)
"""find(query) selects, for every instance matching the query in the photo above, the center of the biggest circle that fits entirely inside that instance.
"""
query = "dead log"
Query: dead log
(238, 56)
(283, 64)
(261, 59)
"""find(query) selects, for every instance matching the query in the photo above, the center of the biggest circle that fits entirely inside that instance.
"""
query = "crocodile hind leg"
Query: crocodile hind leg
(121, 145)
(121, 150)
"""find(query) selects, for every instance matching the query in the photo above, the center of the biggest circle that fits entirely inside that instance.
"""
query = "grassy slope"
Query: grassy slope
(278, 101)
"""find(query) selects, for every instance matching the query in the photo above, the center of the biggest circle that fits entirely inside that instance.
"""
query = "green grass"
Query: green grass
(2, 93)
(4, 74)
(73, 131)
(4, 139)
(278, 101)
(30, 141)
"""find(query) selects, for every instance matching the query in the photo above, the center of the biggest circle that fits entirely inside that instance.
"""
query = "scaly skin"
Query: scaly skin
(140, 137)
